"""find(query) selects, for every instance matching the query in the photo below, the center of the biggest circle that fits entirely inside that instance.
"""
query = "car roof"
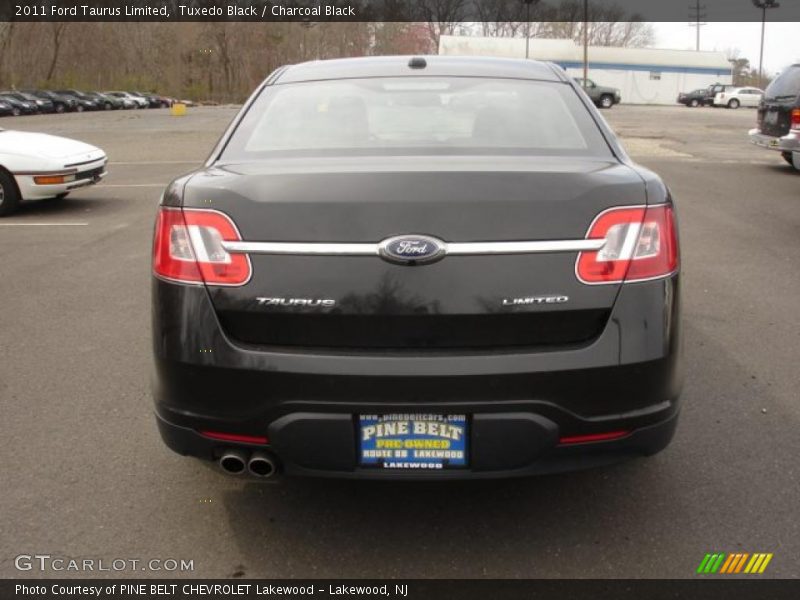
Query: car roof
(398, 66)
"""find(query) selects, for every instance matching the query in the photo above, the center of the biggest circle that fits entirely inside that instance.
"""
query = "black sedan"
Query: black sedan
(694, 98)
(432, 267)
(60, 103)
(5, 109)
(42, 105)
(83, 101)
(19, 106)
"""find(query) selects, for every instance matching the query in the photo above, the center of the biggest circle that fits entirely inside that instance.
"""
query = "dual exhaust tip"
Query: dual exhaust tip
(259, 464)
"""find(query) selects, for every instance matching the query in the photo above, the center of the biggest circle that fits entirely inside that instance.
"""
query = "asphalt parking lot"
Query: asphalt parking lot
(85, 474)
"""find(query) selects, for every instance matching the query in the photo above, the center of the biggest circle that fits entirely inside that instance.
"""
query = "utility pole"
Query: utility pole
(697, 15)
(585, 41)
(763, 5)
(528, 26)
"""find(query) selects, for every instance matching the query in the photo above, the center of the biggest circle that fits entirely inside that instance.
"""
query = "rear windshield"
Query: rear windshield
(416, 115)
(786, 86)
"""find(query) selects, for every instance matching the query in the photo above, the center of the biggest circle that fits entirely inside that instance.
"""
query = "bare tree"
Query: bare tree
(57, 31)
(443, 17)
(609, 25)
(6, 31)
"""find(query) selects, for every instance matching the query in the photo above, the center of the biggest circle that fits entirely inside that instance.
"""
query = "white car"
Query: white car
(137, 101)
(736, 97)
(37, 165)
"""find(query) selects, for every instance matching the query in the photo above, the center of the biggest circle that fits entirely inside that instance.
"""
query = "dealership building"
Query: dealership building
(643, 75)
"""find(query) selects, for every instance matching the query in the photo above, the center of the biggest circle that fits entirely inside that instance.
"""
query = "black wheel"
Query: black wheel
(59, 108)
(694, 103)
(107, 106)
(787, 156)
(9, 197)
(79, 108)
(16, 112)
(734, 103)
(606, 102)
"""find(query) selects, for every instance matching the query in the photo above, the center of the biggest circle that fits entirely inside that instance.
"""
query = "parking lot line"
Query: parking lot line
(42, 224)
(132, 185)
(157, 162)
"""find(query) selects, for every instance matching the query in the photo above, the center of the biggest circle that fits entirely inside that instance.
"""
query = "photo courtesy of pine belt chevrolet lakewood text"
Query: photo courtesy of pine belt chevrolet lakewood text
(417, 268)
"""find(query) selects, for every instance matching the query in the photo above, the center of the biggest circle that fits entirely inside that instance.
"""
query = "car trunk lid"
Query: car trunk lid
(458, 302)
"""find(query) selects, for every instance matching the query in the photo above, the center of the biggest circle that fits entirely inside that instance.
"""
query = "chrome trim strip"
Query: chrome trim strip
(301, 248)
(454, 249)
(473, 248)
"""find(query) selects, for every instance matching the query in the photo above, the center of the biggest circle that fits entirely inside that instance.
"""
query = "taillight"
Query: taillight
(641, 244)
(188, 248)
(796, 118)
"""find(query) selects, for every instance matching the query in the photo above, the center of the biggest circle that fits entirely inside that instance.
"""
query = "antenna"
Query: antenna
(697, 16)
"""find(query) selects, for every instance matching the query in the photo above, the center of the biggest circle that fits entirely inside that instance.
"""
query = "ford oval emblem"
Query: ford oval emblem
(412, 249)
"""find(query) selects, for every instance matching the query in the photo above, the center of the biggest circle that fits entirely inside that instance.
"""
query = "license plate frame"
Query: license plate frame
(413, 441)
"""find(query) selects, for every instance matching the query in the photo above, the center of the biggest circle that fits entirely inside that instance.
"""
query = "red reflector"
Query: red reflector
(593, 437)
(236, 437)
(796, 118)
(641, 244)
(187, 247)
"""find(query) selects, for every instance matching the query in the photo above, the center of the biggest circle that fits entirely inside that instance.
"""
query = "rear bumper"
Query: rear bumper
(787, 143)
(517, 444)
(521, 404)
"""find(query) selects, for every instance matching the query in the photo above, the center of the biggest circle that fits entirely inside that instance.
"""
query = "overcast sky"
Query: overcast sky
(781, 46)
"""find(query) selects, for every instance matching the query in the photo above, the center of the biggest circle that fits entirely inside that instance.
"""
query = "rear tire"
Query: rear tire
(59, 108)
(734, 104)
(9, 196)
(606, 101)
(16, 112)
(107, 106)
(787, 156)
(694, 103)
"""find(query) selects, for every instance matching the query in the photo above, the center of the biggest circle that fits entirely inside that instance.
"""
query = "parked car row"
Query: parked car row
(30, 102)
(720, 94)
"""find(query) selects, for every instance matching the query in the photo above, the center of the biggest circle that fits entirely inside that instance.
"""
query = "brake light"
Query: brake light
(796, 118)
(187, 247)
(641, 244)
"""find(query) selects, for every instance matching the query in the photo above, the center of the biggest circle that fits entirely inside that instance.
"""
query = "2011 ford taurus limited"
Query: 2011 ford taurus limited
(417, 268)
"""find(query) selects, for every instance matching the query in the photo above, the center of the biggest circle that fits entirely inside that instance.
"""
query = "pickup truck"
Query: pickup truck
(603, 97)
